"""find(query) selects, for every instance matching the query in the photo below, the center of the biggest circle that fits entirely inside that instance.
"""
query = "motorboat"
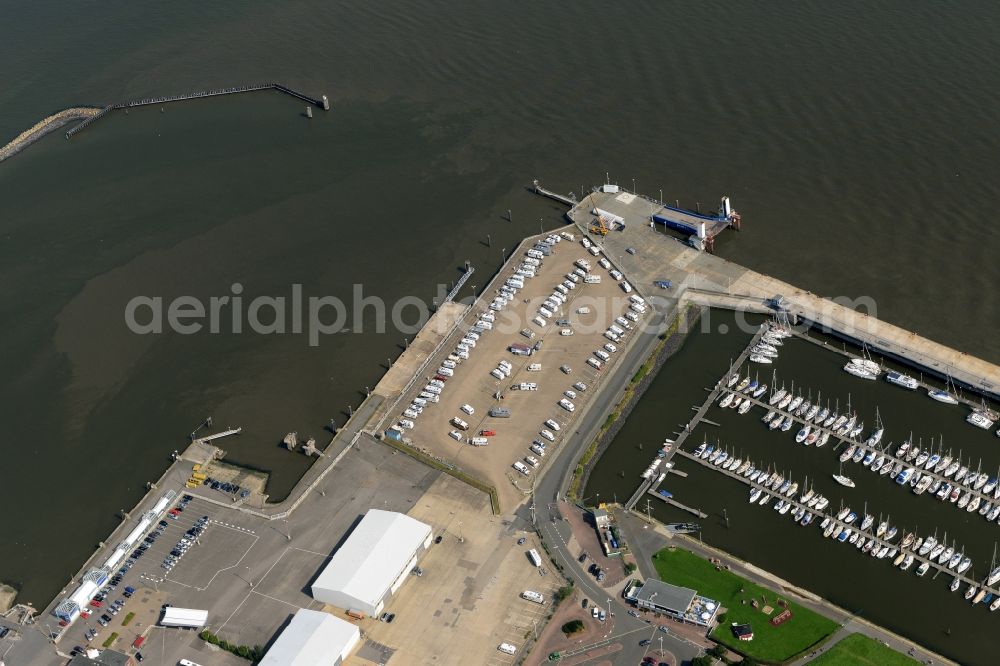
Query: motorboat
(856, 430)
(826, 521)
(811, 437)
(760, 390)
(960, 474)
(935, 552)
(787, 424)
(921, 459)
(822, 503)
(907, 540)
(770, 415)
(923, 485)
(828, 530)
(973, 504)
(956, 582)
(899, 379)
(823, 439)
(867, 521)
(903, 448)
(765, 499)
(776, 423)
(866, 364)
(831, 419)
(755, 494)
(946, 555)
(758, 358)
(990, 485)
(794, 404)
(843, 480)
(980, 481)
(979, 596)
(979, 420)
(721, 459)
(701, 449)
(848, 452)
(751, 387)
(878, 464)
(859, 454)
(922, 569)
(726, 400)
(851, 517)
(807, 519)
(932, 461)
(811, 413)
(905, 475)
(996, 604)
(944, 491)
(792, 489)
(844, 535)
(736, 402)
(854, 538)
(886, 468)
(899, 559)
(907, 563)
(929, 544)
(869, 458)
(843, 513)
(803, 409)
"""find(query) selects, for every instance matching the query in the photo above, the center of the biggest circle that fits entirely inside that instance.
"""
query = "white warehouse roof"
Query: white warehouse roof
(313, 638)
(373, 558)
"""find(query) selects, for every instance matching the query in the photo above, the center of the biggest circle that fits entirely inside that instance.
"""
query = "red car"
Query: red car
(487, 433)
(95, 603)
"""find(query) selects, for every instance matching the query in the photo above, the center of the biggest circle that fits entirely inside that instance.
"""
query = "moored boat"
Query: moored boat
(899, 379)
(844, 480)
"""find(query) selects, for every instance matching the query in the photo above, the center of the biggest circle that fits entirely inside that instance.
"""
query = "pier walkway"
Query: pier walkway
(652, 484)
(322, 102)
(840, 525)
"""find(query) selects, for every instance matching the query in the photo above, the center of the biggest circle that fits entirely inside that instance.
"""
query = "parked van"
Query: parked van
(616, 330)
(584, 241)
(610, 347)
(569, 284)
(582, 263)
(549, 423)
(568, 236)
(455, 435)
(531, 460)
(545, 312)
(462, 354)
(446, 372)
(538, 449)
(579, 272)
(626, 287)
(610, 335)
(420, 401)
(410, 414)
(562, 289)
(538, 321)
(461, 347)
(532, 261)
(595, 363)
(459, 423)
(489, 316)
(433, 389)
(468, 409)
(567, 405)
(468, 342)
(500, 412)
(566, 331)
(616, 274)
(406, 423)
(637, 299)
(436, 382)
(479, 441)
(605, 264)
(496, 372)
(535, 254)
(573, 277)
(635, 307)
(592, 279)
(601, 354)
(523, 469)
(448, 363)
(534, 367)
(547, 435)
(485, 324)
(583, 310)
(593, 250)
(631, 316)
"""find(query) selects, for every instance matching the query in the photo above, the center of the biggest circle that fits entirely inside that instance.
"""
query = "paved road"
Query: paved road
(556, 532)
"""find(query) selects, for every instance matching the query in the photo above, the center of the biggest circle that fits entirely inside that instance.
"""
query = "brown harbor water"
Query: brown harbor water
(858, 141)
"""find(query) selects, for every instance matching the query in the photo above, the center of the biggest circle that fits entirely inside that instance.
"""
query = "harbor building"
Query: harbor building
(313, 638)
(373, 562)
(681, 603)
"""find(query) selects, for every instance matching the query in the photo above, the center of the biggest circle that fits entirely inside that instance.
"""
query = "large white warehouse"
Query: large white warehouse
(373, 562)
(313, 638)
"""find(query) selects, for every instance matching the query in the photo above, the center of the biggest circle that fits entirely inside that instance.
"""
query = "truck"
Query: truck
(459, 423)
(534, 367)
(500, 412)
(535, 557)
(479, 441)
(519, 349)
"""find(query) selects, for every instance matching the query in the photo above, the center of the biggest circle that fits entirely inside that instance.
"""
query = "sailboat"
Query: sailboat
(944, 395)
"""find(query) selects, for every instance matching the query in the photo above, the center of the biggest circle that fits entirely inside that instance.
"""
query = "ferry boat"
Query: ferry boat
(899, 379)
(979, 420)
(942, 396)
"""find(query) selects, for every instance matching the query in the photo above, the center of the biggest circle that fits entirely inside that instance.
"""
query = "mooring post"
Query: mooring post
(309, 112)
(326, 103)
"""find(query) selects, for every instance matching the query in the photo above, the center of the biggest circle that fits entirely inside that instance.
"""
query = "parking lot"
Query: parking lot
(561, 367)
(467, 600)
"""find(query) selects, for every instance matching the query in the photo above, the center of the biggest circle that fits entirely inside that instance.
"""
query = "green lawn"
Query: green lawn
(858, 649)
(770, 643)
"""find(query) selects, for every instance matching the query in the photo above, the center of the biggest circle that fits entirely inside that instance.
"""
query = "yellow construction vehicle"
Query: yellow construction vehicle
(599, 227)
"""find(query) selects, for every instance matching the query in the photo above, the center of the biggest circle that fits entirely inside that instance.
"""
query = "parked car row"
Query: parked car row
(184, 544)
(225, 487)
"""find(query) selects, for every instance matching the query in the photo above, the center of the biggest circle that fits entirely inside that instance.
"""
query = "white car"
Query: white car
(568, 284)
(468, 409)
(580, 386)
(570, 394)
(406, 423)
(610, 347)
(547, 435)
(567, 405)
(552, 424)
(604, 263)
(616, 274)
(566, 331)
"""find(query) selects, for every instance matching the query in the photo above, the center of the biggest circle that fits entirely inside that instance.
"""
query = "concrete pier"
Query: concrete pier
(703, 278)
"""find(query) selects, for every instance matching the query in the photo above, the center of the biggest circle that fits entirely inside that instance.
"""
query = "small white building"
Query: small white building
(313, 638)
(373, 562)
(184, 617)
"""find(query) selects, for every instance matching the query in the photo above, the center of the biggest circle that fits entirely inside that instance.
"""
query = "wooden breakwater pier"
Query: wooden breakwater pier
(322, 102)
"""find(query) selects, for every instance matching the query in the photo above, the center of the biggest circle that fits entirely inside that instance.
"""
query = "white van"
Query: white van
(547, 435)
(562, 289)
(433, 389)
(616, 330)
(468, 342)
(568, 236)
(568, 284)
(489, 316)
(545, 312)
(455, 435)
(610, 335)
(579, 272)
(567, 405)
(539, 450)
(462, 354)
(459, 423)
(601, 354)
(445, 372)
(635, 307)
(585, 241)
(523, 469)
(631, 316)
(592, 279)
(486, 324)
(532, 262)
(616, 274)
(605, 264)
(531, 460)
(582, 263)
(472, 335)
(436, 382)
(593, 250)
(573, 277)
(534, 367)
(566, 331)
(406, 423)
(538, 321)
(507, 647)
(447, 363)
(610, 347)
(637, 299)
(552, 424)
(479, 441)
(461, 347)
(420, 401)
(498, 373)
(626, 287)
(595, 363)
(410, 414)
(468, 409)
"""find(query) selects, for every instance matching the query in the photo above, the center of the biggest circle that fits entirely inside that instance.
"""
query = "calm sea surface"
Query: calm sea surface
(858, 140)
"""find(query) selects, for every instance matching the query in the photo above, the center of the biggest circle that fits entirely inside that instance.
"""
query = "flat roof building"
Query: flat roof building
(184, 617)
(373, 562)
(313, 638)
(682, 603)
